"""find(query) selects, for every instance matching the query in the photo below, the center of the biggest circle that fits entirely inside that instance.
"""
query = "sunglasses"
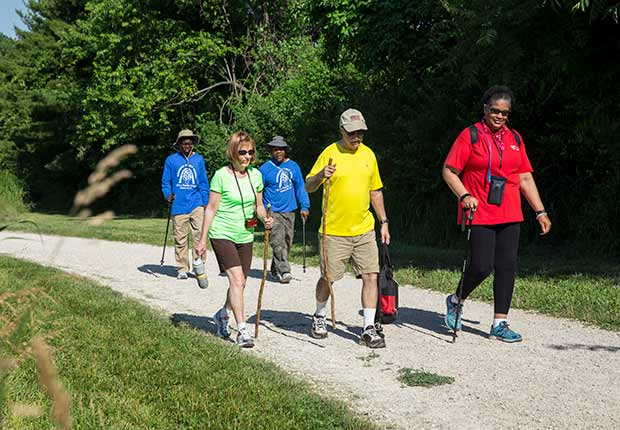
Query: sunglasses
(496, 111)
(244, 152)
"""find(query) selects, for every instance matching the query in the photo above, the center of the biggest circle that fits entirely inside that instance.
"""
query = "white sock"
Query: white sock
(497, 321)
(369, 316)
(320, 308)
(241, 326)
(454, 300)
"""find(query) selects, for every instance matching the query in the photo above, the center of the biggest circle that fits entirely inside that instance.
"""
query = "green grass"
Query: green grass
(140, 230)
(127, 367)
(549, 281)
(421, 378)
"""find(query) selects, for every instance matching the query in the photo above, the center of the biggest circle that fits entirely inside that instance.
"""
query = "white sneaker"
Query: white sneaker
(319, 327)
(221, 323)
(244, 340)
(182, 275)
(285, 278)
(371, 338)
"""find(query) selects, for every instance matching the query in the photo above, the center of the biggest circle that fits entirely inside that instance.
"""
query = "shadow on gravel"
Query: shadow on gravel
(433, 321)
(171, 271)
(257, 274)
(201, 323)
(300, 323)
(156, 269)
(594, 348)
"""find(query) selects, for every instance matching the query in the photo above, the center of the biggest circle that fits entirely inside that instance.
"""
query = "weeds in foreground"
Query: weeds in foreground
(17, 317)
(18, 321)
(421, 378)
(99, 183)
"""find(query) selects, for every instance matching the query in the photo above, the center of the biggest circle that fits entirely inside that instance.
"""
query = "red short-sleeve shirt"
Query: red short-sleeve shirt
(472, 160)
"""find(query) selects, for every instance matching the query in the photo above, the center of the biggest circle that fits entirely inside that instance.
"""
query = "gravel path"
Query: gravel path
(564, 374)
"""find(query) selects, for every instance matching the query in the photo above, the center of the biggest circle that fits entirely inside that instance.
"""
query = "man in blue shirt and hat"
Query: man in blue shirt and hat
(284, 189)
(185, 186)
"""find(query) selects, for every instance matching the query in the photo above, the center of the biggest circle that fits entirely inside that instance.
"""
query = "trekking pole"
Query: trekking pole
(262, 282)
(465, 226)
(303, 240)
(161, 263)
(323, 237)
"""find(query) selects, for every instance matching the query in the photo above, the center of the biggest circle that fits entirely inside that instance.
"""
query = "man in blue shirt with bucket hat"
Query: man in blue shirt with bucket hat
(185, 186)
(284, 188)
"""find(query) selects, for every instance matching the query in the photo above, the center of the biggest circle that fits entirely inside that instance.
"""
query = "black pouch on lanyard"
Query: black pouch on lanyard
(496, 190)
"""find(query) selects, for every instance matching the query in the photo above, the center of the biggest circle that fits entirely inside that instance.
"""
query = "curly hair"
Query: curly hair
(235, 141)
(497, 92)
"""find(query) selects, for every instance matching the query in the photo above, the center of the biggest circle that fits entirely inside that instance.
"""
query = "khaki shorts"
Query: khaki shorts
(361, 250)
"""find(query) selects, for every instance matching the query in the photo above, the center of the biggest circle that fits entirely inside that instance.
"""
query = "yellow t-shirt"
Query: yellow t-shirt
(356, 175)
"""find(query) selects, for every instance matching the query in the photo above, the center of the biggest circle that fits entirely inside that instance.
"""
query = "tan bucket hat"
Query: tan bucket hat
(184, 134)
(352, 120)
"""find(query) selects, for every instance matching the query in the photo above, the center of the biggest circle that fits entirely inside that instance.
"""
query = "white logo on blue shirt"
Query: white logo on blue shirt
(284, 178)
(187, 177)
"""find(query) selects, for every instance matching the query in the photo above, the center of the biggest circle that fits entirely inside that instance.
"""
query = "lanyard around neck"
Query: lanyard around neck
(239, 188)
(499, 151)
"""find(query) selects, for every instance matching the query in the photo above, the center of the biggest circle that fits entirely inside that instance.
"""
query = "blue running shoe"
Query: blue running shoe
(504, 333)
(450, 317)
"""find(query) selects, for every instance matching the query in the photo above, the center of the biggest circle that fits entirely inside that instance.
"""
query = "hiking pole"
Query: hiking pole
(161, 263)
(262, 282)
(465, 226)
(303, 240)
(323, 237)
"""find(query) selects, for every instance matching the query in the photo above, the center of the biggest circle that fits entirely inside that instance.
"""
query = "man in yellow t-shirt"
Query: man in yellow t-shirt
(349, 225)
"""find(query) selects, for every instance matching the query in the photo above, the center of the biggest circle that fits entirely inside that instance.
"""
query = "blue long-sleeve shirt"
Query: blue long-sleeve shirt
(187, 179)
(284, 186)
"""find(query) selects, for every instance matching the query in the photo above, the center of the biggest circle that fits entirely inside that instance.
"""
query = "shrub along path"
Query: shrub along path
(564, 374)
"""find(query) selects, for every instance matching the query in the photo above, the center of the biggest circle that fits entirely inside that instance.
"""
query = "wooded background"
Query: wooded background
(88, 76)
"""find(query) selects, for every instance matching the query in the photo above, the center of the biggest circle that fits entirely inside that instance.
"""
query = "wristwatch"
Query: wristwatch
(383, 221)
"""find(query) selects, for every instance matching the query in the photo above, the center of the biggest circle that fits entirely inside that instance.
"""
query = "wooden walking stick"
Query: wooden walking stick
(262, 282)
(323, 237)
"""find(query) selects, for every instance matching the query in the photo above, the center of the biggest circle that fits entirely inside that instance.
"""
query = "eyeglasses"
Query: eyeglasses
(244, 152)
(496, 111)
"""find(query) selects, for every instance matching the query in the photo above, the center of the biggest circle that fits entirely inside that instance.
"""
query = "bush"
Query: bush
(12, 196)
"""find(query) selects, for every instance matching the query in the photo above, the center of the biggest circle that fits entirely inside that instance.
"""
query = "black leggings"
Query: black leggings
(493, 247)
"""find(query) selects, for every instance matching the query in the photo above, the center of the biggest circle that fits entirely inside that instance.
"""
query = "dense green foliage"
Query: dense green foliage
(12, 202)
(89, 75)
(127, 367)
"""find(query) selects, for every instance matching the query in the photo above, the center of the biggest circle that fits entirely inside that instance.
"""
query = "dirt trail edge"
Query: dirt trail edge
(563, 375)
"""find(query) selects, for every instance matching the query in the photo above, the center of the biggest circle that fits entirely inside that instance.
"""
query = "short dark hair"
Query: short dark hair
(497, 92)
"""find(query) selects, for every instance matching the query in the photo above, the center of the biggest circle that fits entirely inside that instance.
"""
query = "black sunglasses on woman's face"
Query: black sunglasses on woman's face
(244, 152)
(496, 111)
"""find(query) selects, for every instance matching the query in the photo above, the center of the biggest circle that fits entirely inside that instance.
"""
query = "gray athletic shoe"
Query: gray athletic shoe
(244, 340)
(371, 338)
(319, 327)
(221, 323)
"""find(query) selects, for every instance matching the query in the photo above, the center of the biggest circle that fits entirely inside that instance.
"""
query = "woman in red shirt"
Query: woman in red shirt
(496, 160)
